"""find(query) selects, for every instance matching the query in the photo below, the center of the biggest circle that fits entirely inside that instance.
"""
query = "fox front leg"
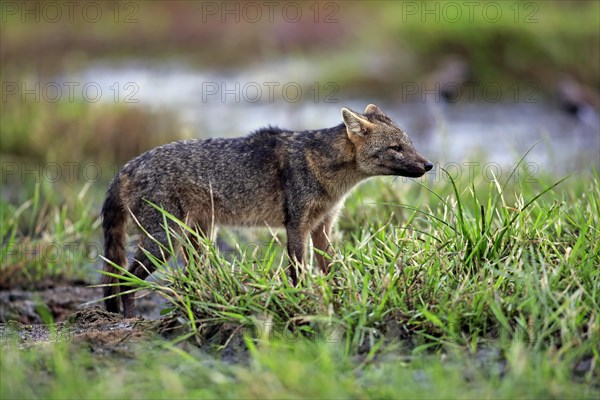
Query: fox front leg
(320, 238)
(296, 247)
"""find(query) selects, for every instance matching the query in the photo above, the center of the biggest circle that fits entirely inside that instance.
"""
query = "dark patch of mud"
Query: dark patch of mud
(111, 337)
(63, 311)
(56, 300)
(95, 328)
(69, 311)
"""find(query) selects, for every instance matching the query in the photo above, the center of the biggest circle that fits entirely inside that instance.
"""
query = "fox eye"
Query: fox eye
(397, 148)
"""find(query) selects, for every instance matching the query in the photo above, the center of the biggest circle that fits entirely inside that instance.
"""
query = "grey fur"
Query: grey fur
(273, 177)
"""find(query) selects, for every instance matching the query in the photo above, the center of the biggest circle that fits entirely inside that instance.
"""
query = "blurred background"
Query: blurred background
(87, 85)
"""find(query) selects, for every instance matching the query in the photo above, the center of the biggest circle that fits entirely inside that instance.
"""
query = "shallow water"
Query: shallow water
(452, 135)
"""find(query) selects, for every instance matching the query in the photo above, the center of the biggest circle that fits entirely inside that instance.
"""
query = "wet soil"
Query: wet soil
(102, 330)
(54, 301)
(69, 311)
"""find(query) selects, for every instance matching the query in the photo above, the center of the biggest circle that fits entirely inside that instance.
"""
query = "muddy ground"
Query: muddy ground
(77, 317)
(73, 316)
(59, 299)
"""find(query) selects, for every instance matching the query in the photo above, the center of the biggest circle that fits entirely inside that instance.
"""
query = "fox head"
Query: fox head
(382, 148)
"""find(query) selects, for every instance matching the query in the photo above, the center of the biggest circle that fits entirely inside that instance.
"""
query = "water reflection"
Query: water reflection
(234, 102)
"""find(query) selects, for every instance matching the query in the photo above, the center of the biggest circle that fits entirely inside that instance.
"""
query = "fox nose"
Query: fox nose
(428, 166)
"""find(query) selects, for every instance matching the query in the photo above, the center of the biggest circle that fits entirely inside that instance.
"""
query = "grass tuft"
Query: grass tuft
(488, 264)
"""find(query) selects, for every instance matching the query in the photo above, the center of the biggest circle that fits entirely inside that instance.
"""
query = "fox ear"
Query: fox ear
(356, 125)
(373, 109)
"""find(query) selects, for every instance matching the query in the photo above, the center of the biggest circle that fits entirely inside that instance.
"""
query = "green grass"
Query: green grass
(458, 289)
(57, 159)
(279, 369)
(480, 267)
(48, 237)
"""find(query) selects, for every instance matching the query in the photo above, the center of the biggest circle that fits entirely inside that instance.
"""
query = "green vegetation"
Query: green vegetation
(480, 268)
(280, 369)
(44, 132)
(507, 41)
(57, 159)
(47, 238)
(366, 46)
(487, 289)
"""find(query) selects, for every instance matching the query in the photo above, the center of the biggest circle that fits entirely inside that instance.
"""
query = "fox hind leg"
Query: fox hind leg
(141, 266)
